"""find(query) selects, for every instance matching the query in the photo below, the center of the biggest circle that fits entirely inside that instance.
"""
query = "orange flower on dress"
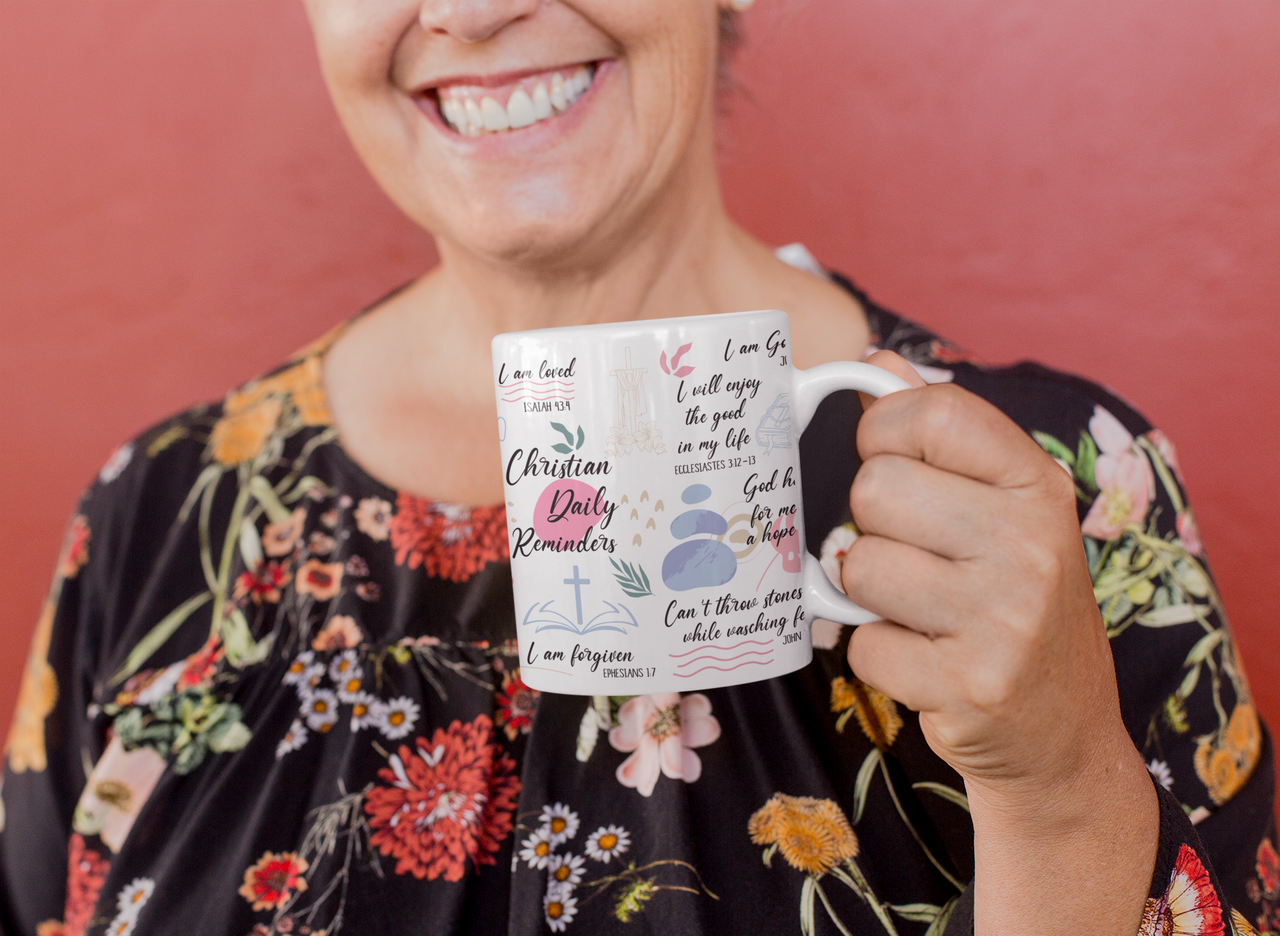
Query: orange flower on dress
(1243, 927)
(272, 879)
(813, 834)
(340, 633)
(321, 579)
(279, 538)
(75, 549)
(243, 430)
(36, 696)
(877, 713)
(448, 540)
(1225, 765)
(449, 799)
(1188, 907)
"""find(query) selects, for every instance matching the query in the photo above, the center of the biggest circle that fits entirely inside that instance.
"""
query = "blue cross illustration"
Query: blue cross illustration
(614, 617)
(577, 584)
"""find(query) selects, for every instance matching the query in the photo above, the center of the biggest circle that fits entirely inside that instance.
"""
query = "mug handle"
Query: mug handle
(808, 389)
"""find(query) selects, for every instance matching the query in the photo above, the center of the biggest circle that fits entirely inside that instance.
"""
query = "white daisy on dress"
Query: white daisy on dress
(362, 715)
(320, 709)
(1160, 770)
(349, 689)
(558, 909)
(559, 822)
(607, 842)
(293, 739)
(117, 463)
(565, 869)
(132, 897)
(396, 718)
(536, 850)
(310, 680)
(294, 675)
(121, 926)
(345, 665)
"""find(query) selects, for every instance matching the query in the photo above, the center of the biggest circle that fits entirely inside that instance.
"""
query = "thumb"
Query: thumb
(894, 364)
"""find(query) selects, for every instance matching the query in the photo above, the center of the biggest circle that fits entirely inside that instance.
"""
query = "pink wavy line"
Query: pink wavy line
(723, 669)
(540, 399)
(761, 643)
(724, 659)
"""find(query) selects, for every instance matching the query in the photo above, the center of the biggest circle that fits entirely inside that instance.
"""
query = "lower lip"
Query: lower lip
(540, 135)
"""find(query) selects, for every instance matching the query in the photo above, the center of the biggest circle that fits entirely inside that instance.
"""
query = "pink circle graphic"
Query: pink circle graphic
(565, 510)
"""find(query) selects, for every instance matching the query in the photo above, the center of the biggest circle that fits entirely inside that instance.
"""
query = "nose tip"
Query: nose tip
(473, 20)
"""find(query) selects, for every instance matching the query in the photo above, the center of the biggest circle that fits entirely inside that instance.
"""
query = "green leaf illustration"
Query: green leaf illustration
(568, 436)
(562, 448)
(632, 579)
(581, 438)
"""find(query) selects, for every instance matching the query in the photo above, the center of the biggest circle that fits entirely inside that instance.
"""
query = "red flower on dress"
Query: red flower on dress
(448, 540)
(1268, 863)
(516, 705)
(75, 550)
(86, 872)
(202, 664)
(1188, 907)
(450, 799)
(272, 879)
(264, 583)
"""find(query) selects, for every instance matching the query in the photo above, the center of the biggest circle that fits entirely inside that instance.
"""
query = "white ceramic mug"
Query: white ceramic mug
(652, 475)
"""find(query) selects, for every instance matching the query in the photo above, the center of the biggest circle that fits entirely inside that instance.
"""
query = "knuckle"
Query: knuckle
(868, 484)
(943, 408)
(855, 567)
(1060, 486)
(991, 688)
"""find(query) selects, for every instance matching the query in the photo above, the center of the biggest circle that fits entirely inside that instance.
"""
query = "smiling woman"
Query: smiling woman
(275, 687)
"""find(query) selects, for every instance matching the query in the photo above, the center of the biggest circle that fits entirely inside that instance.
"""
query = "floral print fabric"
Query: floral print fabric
(269, 694)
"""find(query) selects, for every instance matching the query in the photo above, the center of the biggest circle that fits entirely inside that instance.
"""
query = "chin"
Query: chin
(533, 227)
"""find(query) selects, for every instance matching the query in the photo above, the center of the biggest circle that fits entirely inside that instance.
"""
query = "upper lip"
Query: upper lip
(495, 79)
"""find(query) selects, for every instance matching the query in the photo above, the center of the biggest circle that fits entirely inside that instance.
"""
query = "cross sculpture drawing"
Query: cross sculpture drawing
(631, 403)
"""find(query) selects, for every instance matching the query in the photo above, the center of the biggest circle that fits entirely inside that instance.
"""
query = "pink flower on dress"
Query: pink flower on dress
(1189, 532)
(661, 731)
(1167, 451)
(1125, 481)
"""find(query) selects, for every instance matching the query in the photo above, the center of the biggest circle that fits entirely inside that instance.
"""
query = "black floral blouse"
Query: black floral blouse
(269, 694)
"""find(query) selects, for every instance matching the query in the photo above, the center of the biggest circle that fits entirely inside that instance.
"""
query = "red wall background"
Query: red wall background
(1093, 184)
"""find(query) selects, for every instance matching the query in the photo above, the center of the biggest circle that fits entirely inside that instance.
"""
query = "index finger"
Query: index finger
(952, 429)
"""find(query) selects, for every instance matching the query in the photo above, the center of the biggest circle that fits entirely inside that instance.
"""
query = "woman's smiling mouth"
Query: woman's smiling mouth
(475, 110)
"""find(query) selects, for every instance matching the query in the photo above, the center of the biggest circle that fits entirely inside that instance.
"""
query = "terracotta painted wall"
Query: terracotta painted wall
(1093, 184)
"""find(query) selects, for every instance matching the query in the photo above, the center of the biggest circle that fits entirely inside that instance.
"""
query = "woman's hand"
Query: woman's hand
(972, 553)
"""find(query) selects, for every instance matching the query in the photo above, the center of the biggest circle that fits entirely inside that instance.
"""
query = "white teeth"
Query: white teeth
(495, 117)
(520, 111)
(475, 122)
(541, 103)
(469, 118)
(558, 100)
